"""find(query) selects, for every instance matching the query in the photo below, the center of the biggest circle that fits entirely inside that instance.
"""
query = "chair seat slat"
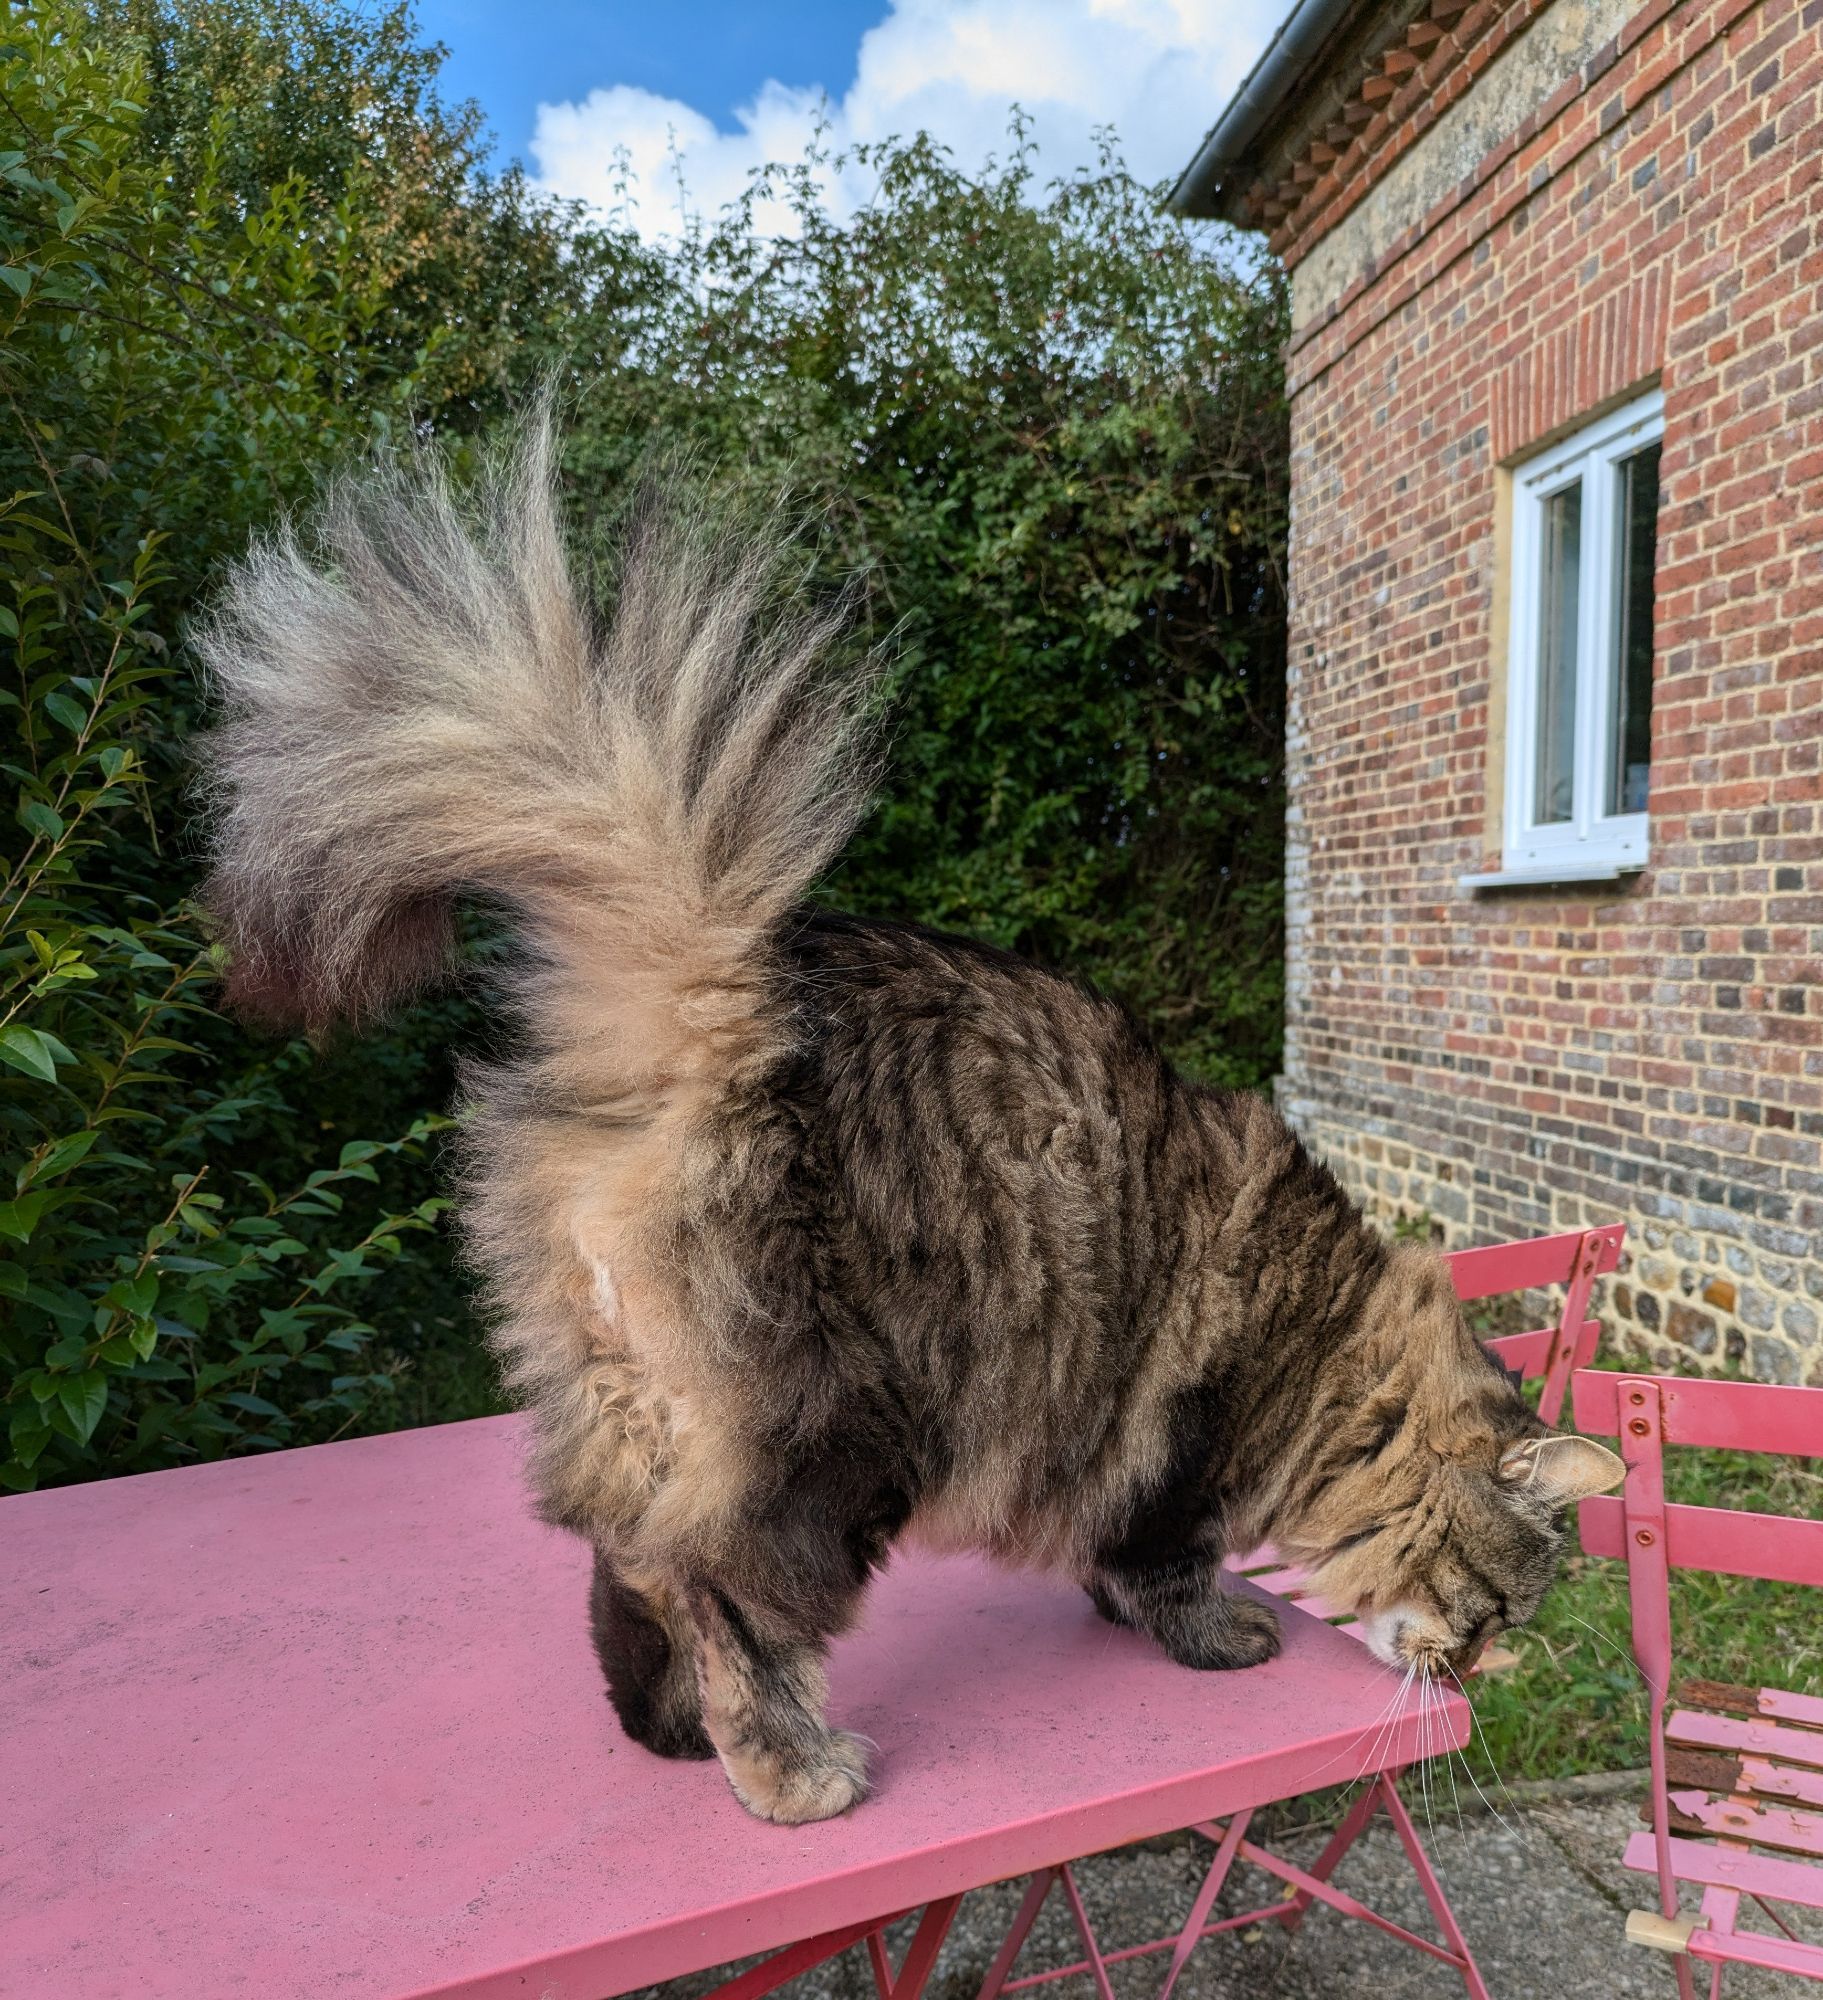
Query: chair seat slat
(1790, 1830)
(1754, 1777)
(1706, 1770)
(1767, 1780)
(1789, 1707)
(1727, 1868)
(1773, 1740)
(1729, 1698)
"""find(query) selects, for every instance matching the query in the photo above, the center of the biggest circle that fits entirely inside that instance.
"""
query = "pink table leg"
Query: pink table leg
(1089, 1944)
(1339, 1843)
(1036, 1891)
(907, 1984)
(772, 1973)
(921, 1953)
(1433, 1894)
(1187, 1938)
(882, 1965)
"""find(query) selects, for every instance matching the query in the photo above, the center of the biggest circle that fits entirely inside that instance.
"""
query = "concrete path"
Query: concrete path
(1540, 1897)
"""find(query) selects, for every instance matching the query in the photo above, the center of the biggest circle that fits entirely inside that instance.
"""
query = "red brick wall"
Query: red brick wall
(1517, 1060)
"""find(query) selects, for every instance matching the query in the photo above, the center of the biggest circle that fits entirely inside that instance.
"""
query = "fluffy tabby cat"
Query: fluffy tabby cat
(804, 1232)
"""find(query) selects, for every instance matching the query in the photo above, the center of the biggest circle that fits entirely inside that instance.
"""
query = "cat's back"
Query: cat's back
(1014, 1189)
(957, 1036)
(984, 1126)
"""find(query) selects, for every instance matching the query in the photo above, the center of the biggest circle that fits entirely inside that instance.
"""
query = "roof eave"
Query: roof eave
(1287, 58)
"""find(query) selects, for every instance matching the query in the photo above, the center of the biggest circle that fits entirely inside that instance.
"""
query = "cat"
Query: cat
(805, 1233)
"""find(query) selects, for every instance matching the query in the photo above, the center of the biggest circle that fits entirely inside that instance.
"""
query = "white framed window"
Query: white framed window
(1579, 655)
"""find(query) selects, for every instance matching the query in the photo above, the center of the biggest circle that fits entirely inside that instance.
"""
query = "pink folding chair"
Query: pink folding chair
(1738, 1774)
(1575, 1261)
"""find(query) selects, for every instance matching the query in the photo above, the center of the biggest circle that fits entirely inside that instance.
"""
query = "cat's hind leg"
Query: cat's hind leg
(1105, 1605)
(646, 1642)
(763, 1695)
(792, 1578)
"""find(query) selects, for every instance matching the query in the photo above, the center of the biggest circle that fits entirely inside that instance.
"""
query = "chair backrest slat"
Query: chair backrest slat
(1523, 1267)
(1530, 1353)
(1781, 1548)
(1574, 1261)
(1744, 1416)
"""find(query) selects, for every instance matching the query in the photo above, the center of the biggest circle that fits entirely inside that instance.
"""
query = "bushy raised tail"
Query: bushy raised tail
(418, 707)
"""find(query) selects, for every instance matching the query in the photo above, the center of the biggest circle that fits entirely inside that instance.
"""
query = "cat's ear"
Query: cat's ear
(1561, 1469)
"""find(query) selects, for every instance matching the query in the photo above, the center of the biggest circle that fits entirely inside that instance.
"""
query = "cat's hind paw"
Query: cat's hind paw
(817, 1782)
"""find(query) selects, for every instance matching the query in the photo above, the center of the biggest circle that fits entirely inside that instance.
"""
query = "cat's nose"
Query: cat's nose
(1464, 1658)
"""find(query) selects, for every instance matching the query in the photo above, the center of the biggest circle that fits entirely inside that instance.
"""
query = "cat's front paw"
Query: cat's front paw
(1232, 1632)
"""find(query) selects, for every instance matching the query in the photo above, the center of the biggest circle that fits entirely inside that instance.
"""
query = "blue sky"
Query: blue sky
(603, 99)
(711, 54)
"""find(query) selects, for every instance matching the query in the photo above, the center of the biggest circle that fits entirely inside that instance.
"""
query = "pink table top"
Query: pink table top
(328, 1723)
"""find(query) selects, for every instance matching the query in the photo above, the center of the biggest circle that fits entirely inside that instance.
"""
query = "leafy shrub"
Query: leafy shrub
(161, 1303)
(1049, 434)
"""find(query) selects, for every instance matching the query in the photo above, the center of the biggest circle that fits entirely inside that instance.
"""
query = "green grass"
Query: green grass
(1575, 1701)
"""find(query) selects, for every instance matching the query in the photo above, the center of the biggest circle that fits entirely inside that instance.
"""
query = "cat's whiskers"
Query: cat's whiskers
(1511, 1826)
(1508, 1826)
(1424, 1756)
(1394, 1715)
(1449, 1749)
(1391, 1716)
(1604, 1637)
(1384, 1742)
(1434, 1734)
(1383, 1727)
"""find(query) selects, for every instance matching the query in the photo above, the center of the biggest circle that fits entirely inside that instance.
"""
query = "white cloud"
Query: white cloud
(1158, 71)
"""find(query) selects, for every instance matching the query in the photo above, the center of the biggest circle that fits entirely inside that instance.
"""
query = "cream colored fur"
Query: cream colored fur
(417, 708)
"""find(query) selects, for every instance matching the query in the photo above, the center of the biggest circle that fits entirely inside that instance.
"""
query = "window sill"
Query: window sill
(1545, 874)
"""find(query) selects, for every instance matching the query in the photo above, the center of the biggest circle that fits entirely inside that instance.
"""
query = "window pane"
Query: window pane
(1561, 570)
(1637, 545)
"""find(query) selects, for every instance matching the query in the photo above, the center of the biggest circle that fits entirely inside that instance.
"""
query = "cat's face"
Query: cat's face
(1439, 1516)
(1473, 1551)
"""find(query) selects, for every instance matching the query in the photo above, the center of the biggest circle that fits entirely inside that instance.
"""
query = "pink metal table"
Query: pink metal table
(328, 1723)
